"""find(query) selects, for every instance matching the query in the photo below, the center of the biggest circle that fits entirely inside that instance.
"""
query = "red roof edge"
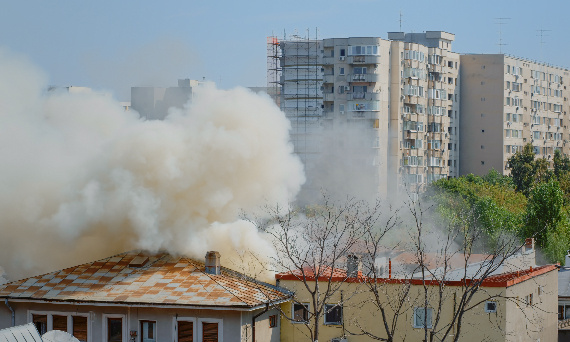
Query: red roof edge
(500, 280)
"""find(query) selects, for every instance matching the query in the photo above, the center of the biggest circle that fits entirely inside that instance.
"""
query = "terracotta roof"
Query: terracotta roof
(499, 280)
(309, 273)
(138, 278)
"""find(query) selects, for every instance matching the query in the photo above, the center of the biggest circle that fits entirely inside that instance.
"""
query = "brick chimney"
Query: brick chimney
(213, 262)
(352, 266)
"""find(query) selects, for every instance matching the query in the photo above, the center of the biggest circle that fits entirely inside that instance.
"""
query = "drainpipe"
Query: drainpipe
(13, 312)
(253, 321)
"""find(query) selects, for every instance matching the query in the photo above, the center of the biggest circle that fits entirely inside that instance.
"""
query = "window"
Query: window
(114, 329)
(272, 321)
(359, 70)
(148, 331)
(421, 317)
(343, 52)
(490, 306)
(40, 321)
(341, 72)
(75, 325)
(79, 324)
(185, 329)
(333, 314)
(210, 332)
(300, 312)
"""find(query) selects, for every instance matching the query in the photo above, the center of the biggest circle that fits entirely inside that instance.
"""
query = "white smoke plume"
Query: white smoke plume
(82, 179)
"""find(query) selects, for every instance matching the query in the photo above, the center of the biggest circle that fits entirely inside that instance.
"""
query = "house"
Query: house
(135, 296)
(564, 300)
(509, 306)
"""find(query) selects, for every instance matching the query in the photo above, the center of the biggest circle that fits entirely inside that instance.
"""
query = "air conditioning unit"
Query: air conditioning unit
(338, 339)
(342, 112)
(341, 58)
(346, 88)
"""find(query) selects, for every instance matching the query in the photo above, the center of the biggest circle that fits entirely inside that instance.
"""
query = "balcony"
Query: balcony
(363, 115)
(364, 78)
(363, 59)
(328, 79)
(365, 96)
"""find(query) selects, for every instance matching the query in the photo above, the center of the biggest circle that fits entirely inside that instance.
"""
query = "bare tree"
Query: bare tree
(446, 270)
(312, 247)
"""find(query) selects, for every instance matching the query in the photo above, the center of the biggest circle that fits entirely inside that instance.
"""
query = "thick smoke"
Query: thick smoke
(82, 179)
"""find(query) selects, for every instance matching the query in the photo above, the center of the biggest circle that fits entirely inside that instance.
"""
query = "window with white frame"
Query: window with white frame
(75, 324)
(490, 306)
(333, 314)
(359, 50)
(422, 318)
(148, 331)
(210, 329)
(185, 329)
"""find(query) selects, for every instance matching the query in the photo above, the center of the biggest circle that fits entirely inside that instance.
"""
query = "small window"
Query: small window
(40, 321)
(209, 332)
(490, 306)
(421, 316)
(300, 312)
(341, 72)
(343, 52)
(148, 331)
(185, 331)
(59, 322)
(272, 321)
(333, 314)
(79, 324)
(114, 329)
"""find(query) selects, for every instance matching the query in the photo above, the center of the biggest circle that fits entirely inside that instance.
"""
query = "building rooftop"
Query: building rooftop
(139, 278)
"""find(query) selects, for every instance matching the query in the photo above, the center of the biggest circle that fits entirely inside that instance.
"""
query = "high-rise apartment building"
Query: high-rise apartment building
(507, 103)
(368, 113)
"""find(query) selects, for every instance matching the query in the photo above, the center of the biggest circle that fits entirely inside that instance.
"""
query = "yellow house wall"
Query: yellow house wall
(477, 325)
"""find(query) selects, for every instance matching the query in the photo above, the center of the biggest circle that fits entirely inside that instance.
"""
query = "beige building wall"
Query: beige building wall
(508, 323)
(509, 102)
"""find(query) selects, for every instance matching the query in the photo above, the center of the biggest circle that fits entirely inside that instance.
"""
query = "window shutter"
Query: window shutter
(59, 322)
(185, 331)
(209, 332)
(80, 328)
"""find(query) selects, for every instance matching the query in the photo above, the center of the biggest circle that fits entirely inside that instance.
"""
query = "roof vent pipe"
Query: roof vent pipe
(213, 262)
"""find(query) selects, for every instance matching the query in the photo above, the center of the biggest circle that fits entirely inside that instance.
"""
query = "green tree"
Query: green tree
(544, 211)
(522, 169)
(561, 163)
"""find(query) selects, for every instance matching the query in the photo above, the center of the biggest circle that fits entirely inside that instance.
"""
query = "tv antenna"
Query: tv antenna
(401, 15)
(501, 22)
(542, 35)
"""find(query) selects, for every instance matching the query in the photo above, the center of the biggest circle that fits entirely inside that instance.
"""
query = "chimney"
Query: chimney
(352, 266)
(213, 263)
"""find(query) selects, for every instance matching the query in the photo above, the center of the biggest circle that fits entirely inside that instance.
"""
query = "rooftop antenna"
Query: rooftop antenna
(501, 22)
(401, 15)
(542, 35)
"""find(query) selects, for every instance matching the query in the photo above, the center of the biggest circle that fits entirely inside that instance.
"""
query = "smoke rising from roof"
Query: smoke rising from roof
(82, 179)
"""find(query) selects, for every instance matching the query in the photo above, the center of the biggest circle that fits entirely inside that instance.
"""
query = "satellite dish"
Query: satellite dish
(58, 336)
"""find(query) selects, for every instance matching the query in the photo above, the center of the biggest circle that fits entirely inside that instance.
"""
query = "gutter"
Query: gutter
(12, 310)
(253, 321)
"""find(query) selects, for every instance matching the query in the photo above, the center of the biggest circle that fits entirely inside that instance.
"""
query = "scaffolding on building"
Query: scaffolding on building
(295, 80)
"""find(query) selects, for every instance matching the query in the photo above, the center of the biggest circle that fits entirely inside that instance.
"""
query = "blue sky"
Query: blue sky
(121, 43)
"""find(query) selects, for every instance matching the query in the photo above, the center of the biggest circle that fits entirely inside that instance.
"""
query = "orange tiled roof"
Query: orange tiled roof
(309, 273)
(162, 280)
